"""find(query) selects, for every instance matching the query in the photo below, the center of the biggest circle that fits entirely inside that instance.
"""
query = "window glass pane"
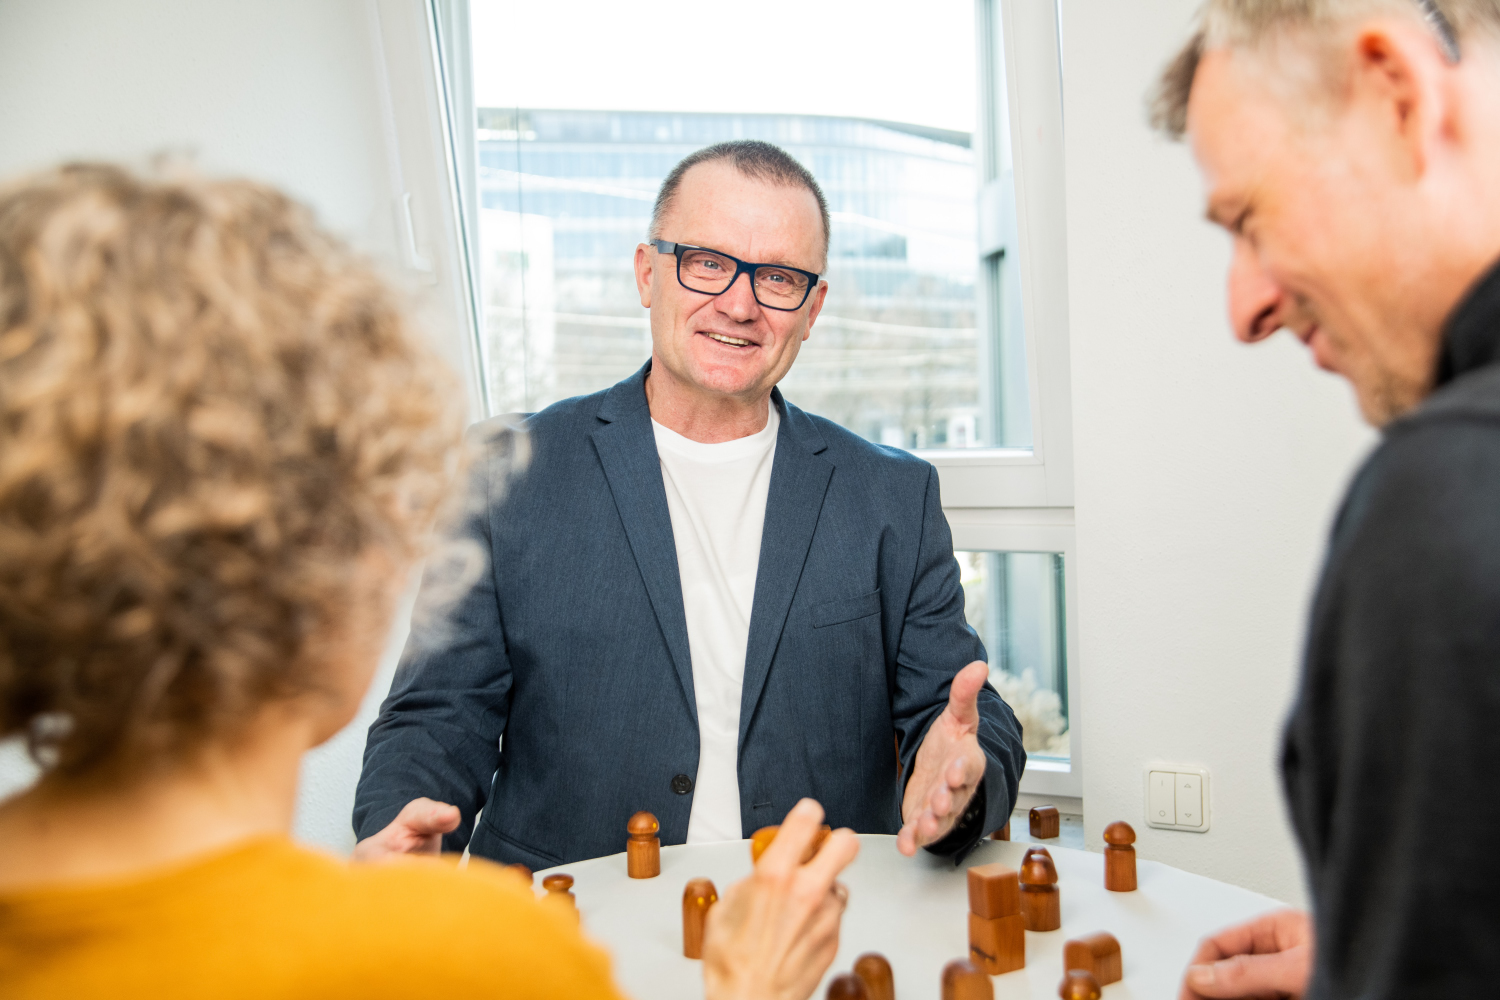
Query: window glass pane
(1015, 601)
(917, 343)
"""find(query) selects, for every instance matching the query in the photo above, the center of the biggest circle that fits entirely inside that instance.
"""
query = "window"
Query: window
(938, 142)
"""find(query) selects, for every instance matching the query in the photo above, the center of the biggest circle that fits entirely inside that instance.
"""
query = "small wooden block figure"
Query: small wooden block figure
(876, 973)
(1079, 985)
(558, 887)
(1097, 954)
(1041, 906)
(1003, 833)
(847, 987)
(997, 932)
(1119, 857)
(962, 980)
(523, 871)
(697, 898)
(643, 849)
(1045, 823)
(761, 839)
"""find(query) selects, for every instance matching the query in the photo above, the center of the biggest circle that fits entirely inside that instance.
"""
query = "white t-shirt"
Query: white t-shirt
(717, 497)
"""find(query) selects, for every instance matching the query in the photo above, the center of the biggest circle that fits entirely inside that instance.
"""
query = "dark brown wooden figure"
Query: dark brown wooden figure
(1119, 857)
(1079, 985)
(558, 887)
(1041, 905)
(1003, 833)
(997, 932)
(761, 839)
(643, 849)
(847, 987)
(962, 980)
(1097, 954)
(523, 871)
(872, 967)
(699, 896)
(1045, 823)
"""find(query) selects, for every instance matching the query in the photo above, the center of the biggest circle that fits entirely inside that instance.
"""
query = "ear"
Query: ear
(645, 265)
(819, 294)
(1401, 79)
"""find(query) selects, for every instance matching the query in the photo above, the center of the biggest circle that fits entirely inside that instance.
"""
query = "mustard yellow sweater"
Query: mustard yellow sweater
(268, 920)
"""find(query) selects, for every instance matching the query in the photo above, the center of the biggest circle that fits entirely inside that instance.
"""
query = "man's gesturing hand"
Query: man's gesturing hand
(949, 765)
(1271, 956)
(417, 829)
(774, 934)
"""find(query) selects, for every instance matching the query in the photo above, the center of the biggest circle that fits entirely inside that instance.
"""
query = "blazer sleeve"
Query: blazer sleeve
(438, 732)
(936, 643)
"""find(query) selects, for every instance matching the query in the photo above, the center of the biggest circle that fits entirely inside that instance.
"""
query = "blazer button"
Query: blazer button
(682, 784)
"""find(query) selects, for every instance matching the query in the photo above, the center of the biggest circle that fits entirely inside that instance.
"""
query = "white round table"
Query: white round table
(914, 911)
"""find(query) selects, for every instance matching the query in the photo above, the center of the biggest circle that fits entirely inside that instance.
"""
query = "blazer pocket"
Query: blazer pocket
(845, 610)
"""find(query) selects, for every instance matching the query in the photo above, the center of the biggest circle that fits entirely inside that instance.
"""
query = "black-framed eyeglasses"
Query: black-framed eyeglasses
(1442, 27)
(709, 272)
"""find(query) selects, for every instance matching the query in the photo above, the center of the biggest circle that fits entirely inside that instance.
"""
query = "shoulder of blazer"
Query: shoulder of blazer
(864, 459)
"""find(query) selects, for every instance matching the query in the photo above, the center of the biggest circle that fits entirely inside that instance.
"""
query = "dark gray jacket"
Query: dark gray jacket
(574, 647)
(1392, 755)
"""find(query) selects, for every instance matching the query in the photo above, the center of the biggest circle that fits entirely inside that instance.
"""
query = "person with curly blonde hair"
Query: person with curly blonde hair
(221, 452)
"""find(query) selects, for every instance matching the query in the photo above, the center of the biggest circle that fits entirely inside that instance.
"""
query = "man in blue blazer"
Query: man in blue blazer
(699, 600)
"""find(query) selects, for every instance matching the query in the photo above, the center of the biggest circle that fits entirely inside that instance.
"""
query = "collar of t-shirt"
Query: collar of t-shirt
(723, 451)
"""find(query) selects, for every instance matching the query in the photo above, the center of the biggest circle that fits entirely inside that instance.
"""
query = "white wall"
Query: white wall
(1207, 474)
(327, 99)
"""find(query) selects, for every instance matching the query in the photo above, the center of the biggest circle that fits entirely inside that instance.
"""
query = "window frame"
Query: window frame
(996, 499)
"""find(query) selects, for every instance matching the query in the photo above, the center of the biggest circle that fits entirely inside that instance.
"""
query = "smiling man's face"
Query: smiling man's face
(1327, 229)
(729, 344)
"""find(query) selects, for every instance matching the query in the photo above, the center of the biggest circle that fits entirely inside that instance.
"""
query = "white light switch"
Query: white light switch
(1177, 797)
(1189, 800)
(1161, 797)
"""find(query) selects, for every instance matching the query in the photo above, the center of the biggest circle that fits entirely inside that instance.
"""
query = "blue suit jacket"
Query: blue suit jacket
(573, 646)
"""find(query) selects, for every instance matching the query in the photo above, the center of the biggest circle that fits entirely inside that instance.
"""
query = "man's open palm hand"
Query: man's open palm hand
(417, 829)
(948, 767)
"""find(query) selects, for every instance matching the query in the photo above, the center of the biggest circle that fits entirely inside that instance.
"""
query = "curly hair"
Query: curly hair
(209, 408)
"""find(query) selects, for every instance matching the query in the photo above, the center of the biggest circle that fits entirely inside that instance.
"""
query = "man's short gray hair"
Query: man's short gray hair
(1245, 24)
(759, 160)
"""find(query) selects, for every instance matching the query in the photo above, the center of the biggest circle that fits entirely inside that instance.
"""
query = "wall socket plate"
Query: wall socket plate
(1177, 797)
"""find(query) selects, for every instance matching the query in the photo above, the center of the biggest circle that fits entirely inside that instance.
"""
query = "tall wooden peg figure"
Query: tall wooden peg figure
(1119, 857)
(1045, 823)
(963, 980)
(847, 987)
(643, 849)
(558, 890)
(876, 973)
(1079, 985)
(1041, 906)
(697, 898)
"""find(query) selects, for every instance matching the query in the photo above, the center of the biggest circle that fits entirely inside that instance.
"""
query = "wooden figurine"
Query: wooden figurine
(697, 898)
(876, 973)
(1003, 833)
(523, 871)
(643, 849)
(761, 839)
(1041, 906)
(1045, 823)
(997, 932)
(1079, 985)
(847, 987)
(1097, 954)
(1119, 857)
(963, 981)
(558, 887)
(1037, 850)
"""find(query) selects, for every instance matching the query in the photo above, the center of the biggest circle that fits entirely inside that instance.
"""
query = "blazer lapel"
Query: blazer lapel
(626, 447)
(799, 481)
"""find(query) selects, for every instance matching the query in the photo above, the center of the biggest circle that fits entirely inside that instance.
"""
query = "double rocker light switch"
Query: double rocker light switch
(1177, 798)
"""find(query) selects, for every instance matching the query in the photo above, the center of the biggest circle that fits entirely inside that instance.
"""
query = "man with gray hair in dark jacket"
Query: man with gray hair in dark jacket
(1351, 148)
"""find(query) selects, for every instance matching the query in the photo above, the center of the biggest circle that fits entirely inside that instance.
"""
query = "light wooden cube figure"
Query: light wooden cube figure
(997, 932)
(1045, 822)
(1098, 955)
